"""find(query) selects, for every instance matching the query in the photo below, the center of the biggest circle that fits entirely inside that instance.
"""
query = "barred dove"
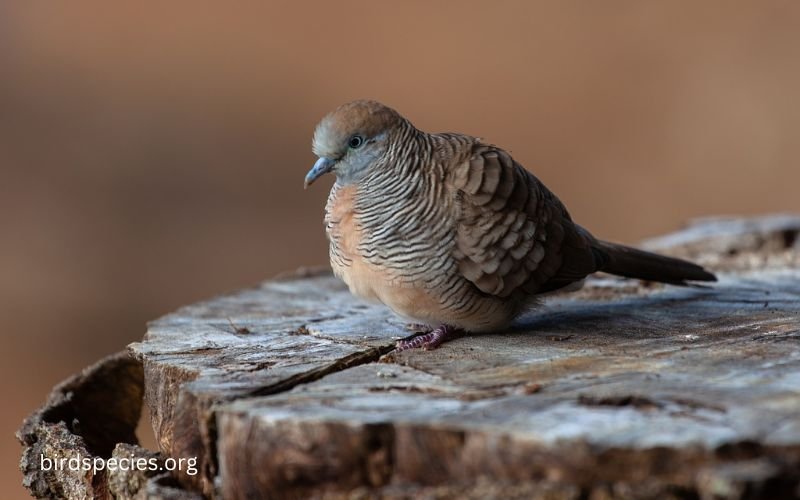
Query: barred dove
(451, 232)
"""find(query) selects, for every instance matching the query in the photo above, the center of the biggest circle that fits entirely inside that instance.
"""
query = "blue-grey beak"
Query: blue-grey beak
(320, 168)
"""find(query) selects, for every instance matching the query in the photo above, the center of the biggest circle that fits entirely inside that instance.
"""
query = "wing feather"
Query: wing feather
(513, 235)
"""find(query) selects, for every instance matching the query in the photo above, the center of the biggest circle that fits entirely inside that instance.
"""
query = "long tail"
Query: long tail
(633, 263)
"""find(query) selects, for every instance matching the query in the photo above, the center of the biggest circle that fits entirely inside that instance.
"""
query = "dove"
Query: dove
(451, 232)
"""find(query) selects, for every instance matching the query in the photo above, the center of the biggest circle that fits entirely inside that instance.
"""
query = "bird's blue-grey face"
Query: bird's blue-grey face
(351, 160)
(351, 140)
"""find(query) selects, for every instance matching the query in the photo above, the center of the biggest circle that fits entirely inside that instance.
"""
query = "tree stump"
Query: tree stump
(624, 389)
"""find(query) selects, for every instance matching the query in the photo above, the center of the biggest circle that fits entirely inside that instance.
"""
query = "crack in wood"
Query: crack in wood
(290, 383)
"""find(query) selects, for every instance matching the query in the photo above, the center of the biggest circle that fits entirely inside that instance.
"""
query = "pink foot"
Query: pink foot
(430, 340)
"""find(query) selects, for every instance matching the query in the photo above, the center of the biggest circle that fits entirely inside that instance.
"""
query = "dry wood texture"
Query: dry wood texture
(624, 389)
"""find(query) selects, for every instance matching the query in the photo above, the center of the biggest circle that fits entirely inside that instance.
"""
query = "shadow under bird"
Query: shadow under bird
(451, 232)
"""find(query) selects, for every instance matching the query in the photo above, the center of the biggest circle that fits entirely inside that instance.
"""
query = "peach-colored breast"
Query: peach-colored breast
(344, 233)
(364, 279)
(368, 281)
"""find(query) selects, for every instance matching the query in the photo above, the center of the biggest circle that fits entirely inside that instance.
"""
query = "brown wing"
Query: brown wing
(513, 234)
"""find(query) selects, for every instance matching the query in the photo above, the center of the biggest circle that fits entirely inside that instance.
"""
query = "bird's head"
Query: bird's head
(352, 139)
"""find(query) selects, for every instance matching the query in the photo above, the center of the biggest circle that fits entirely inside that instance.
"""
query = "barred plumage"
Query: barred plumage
(446, 229)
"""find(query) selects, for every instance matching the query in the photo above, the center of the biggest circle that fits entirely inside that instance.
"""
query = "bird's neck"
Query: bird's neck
(411, 170)
(403, 209)
(412, 155)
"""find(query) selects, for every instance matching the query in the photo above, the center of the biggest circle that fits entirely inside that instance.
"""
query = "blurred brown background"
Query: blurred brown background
(152, 154)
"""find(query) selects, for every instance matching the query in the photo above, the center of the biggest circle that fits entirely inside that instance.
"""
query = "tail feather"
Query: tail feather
(632, 263)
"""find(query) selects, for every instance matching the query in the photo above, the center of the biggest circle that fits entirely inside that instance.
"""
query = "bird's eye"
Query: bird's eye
(355, 142)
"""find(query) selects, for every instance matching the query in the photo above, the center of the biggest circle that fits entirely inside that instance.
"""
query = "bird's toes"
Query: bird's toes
(429, 341)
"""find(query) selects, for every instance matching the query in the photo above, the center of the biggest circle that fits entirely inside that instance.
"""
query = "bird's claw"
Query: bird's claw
(430, 340)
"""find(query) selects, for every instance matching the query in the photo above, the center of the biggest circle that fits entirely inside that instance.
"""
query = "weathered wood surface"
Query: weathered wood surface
(624, 389)
(92, 415)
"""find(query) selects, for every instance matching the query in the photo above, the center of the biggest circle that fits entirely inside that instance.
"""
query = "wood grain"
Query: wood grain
(621, 390)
